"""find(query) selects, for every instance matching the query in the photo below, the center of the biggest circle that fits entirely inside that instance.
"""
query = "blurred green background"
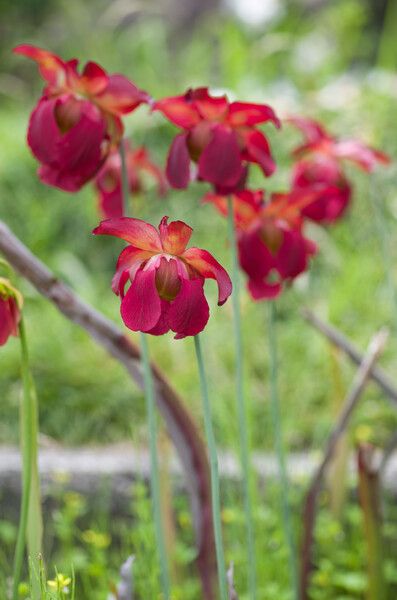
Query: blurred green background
(334, 61)
(326, 61)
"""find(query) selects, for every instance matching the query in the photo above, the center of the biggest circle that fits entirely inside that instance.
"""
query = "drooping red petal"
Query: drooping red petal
(68, 181)
(9, 318)
(330, 205)
(178, 111)
(111, 203)
(291, 256)
(51, 67)
(210, 108)
(221, 161)
(43, 134)
(257, 150)
(255, 258)
(141, 307)
(162, 325)
(137, 233)
(175, 236)
(189, 312)
(178, 163)
(261, 290)
(312, 130)
(246, 114)
(209, 268)
(129, 257)
(6, 322)
(121, 96)
(365, 157)
(78, 156)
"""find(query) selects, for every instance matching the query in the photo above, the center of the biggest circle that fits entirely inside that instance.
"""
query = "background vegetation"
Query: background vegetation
(332, 61)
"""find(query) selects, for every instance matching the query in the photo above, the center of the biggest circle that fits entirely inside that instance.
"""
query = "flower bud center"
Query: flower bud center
(168, 282)
(198, 139)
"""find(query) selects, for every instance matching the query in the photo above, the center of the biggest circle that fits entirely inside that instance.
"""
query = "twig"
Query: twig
(342, 341)
(357, 387)
(181, 427)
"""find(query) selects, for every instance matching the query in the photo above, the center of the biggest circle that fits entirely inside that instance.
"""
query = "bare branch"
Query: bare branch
(180, 424)
(375, 349)
(342, 341)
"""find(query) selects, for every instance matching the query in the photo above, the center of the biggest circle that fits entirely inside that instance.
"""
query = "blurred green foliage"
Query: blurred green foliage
(84, 394)
(320, 62)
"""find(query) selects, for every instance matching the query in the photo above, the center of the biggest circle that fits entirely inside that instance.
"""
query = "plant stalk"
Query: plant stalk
(154, 471)
(26, 459)
(216, 505)
(283, 476)
(241, 407)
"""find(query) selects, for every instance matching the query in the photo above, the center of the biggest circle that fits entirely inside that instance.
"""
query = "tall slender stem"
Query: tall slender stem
(151, 417)
(27, 464)
(154, 472)
(216, 504)
(274, 401)
(241, 408)
(124, 181)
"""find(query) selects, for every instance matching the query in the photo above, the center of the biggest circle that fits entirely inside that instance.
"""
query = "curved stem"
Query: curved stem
(216, 505)
(27, 465)
(241, 408)
(154, 474)
(274, 401)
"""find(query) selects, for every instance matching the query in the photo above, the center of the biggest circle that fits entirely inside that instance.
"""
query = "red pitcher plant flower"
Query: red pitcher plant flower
(11, 302)
(77, 121)
(108, 182)
(321, 169)
(219, 136)
(271, 245)
(167, 281)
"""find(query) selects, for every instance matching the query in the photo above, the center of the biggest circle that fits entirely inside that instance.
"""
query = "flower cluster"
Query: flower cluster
(320, 168)
(77, 121)
(75, 131)
(271, 244)
(218, 136)
(167, 281)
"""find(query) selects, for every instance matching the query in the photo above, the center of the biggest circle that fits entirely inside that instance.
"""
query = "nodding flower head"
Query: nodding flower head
(219, 136)
(166, 280)
(271, 245)
(77, 121)
(11, 303)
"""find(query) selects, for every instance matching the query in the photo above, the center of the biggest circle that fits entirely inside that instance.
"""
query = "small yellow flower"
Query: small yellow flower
(60, 581)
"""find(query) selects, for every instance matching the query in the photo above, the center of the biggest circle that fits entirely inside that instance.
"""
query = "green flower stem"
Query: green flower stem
(154, 474)
(241, 408)
(27, 412)
(124, 181)
(151, 416)
(274, 401)
(216, 505)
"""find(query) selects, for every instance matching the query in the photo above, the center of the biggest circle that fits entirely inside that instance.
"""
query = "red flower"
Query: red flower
(333, 190)
(166, 290)
(322, 169)
(219, 136)
(10, 310)
(318, 143)
(108, 180)
(271, 245)
(77, 121)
